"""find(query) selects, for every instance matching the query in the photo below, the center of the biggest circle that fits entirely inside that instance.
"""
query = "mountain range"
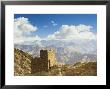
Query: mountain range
(67, 51)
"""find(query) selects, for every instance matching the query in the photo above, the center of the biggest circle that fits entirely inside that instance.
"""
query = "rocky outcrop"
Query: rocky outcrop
(22, 63)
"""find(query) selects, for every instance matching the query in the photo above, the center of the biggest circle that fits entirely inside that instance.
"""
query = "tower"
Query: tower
(48, 57)
(44, 62)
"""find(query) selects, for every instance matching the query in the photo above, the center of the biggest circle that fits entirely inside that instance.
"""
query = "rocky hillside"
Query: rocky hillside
(77, 69)
(80, 69)
(22, 63)
(22, 66)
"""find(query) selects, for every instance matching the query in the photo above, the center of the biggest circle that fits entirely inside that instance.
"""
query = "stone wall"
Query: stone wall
(39, 64)
(51, 58)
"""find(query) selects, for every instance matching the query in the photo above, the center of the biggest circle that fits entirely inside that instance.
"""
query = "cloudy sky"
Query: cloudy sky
(31, 27)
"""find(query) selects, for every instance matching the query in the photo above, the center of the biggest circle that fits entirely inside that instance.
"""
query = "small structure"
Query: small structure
(44, 62)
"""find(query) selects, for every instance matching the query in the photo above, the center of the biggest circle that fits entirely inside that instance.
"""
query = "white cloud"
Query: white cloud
(71, 32)
(53, 23)
(23, 30)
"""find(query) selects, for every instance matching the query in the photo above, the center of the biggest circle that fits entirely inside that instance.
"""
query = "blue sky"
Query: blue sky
(50, 23)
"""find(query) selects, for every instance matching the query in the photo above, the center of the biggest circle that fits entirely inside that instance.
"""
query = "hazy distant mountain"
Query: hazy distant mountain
(32, 49)
(66, 51)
